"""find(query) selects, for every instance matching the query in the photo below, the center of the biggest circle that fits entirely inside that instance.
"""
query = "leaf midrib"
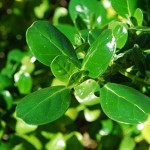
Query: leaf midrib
(124, 98)
(61, 50)
(53, 94)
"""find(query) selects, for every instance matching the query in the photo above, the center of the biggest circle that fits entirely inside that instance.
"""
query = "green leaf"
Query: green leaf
(23, 82)
(138, 14)
(62, 68)
(76, 78)
(120, 33)
(124, 7)
(8, 99)
(92, 12)
(85, 92)
(124, 104)
(69, 31)
(146, 131)
(45, 105)
(51, 42)
(103, 47)
(91, 115)
(4, 82)
(93, 35)
(57, 143)
(139, 59)
(127, 143)
(74, 141)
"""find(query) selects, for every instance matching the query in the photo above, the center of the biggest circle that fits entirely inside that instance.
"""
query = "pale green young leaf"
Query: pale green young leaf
(85, 92)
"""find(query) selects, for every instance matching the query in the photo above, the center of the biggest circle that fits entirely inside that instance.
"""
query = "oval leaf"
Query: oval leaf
(120, 33)
(92, 13)
(45, 105)
(85, 92)
(100, 54)
(24, 82)
(46, 42)
(139, 16)
(62, 68)
(124, 104)
(124, 7)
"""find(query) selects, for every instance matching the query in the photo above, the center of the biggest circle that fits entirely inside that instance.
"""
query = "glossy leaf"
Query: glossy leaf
(91, 12)
(120, 33)
(103, 47)
(124, 7)
(93, 35)
(85, 92)
(69, 31)
(57, 143)
(46, 42)
(124, 104)
(27, 65)
(91, 115)
(62, 68)
(8, 99)
(45, 105)
(76, 78)
(138, 14)
(23, 82)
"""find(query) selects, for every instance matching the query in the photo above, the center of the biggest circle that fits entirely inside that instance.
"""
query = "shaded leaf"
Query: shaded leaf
(62, 68)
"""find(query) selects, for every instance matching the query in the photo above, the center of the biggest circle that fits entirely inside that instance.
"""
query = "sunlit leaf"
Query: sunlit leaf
(124, 104)
(51, 42)
(103, 47)
(44, 106)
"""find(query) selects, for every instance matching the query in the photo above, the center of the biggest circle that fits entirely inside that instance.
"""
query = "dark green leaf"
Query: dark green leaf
(124, 104)
(45, 105)
(124, 7)
(139, 59)
(8, 99)
(62, 67)
(100, 54)
(46, 42)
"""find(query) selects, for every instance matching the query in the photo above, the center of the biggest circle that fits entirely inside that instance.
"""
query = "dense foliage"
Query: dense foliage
(84, 72)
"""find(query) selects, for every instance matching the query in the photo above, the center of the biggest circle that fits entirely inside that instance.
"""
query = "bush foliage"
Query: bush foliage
(78, 72)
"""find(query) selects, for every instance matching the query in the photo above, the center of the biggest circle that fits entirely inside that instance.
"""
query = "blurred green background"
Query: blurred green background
(82, 127)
